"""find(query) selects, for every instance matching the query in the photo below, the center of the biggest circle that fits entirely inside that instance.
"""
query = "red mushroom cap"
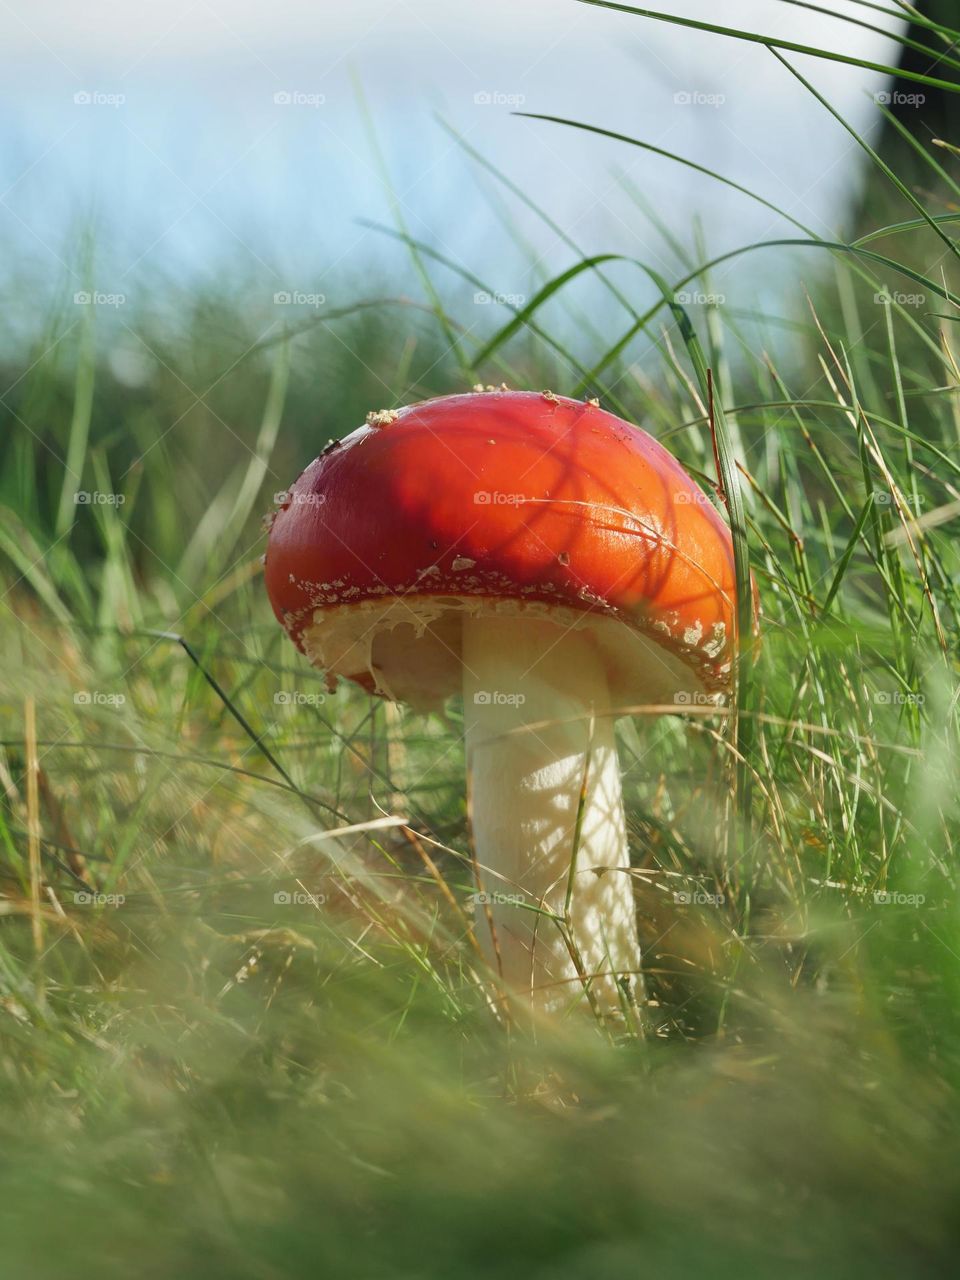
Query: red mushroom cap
(503, 502)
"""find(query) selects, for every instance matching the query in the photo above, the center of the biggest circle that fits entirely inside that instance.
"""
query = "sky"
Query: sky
(202, 137)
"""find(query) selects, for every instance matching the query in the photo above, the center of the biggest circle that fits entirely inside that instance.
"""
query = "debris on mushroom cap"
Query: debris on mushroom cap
(329, 448)
(594, 403)
(478, 386)
(551, 396)
(382, 417)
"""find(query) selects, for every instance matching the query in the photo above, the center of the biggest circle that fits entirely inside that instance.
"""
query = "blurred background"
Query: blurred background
(202, 142)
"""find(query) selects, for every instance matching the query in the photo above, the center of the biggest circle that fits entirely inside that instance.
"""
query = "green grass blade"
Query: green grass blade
(772, 42)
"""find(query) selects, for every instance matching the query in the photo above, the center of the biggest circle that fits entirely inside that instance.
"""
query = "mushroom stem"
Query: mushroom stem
(526, 789)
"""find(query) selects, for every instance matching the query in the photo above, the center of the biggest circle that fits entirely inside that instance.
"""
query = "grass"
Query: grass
(205, 1079)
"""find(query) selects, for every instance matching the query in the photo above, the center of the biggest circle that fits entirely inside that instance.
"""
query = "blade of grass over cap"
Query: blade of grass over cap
(733, 499)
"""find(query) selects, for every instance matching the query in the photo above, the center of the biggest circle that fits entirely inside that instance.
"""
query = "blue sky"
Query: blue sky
(191, 135)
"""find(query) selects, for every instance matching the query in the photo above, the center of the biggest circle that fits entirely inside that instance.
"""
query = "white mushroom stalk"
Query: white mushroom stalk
(547, 814)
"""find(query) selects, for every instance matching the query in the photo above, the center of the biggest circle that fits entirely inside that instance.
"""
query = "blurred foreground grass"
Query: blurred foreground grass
(234, 1044)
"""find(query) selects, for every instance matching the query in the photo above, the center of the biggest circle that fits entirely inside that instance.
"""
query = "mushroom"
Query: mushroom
(554, 564)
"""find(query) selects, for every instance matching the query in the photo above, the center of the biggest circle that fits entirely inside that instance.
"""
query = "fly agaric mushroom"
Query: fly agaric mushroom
(552, 563)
